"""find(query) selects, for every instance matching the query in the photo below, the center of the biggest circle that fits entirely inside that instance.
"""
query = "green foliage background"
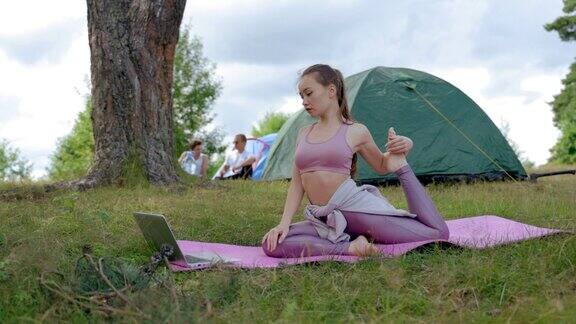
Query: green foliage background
(271, 123)
(195, 89)
(564, 104)
(13, 167)
(74, 152)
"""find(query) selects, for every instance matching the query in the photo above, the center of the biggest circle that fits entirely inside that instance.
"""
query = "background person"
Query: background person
(194, 162)
(238, 163)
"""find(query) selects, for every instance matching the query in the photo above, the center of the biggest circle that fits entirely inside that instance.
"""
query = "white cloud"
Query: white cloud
(49, 101)
(291, 104)
(22, 17)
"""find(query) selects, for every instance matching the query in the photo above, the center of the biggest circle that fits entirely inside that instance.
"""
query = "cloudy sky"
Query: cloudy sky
(497, 52)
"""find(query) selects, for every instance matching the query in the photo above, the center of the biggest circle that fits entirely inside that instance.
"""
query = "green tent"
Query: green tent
(453, 137)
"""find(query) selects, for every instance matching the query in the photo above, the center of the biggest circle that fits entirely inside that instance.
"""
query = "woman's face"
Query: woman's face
(316, 98)
(197, 149)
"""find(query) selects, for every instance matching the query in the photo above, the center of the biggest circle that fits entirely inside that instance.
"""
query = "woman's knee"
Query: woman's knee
(444, 233)
(436, 234)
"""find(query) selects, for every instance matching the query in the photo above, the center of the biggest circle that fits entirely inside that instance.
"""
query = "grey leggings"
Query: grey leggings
(303, 240)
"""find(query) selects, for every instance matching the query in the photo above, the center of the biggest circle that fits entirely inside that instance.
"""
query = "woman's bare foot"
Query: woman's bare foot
(396, 161)
(361, 247)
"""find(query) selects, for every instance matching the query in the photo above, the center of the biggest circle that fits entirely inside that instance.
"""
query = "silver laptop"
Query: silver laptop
(157, 232)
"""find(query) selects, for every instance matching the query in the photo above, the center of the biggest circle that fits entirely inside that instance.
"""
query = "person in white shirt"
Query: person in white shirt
(238, 164)
(194, 162)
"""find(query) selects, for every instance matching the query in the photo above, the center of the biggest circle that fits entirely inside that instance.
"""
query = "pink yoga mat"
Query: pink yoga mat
(474, 232)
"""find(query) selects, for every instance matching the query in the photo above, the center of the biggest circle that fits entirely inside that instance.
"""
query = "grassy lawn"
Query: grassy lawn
(528, 281)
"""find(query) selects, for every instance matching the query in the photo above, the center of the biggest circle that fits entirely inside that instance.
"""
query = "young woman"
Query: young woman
(194, 162)
(339, 211)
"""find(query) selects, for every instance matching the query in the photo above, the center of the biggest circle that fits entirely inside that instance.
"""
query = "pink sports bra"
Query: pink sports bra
(333, 154)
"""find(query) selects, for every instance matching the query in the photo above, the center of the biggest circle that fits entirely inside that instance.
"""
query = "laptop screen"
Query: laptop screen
(157, 232)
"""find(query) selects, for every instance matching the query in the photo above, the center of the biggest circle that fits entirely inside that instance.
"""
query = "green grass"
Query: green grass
(532, 281)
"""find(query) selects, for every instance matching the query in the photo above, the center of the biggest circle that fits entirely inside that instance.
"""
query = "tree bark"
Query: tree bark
(132, 45)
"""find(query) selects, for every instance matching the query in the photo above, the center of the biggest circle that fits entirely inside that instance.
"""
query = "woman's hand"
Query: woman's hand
(276, 235)
(398, 144)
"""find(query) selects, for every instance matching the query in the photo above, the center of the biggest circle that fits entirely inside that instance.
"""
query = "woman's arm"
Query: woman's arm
(181, 157)
(277, 234)
(293, 199)
(368, 149)
(295, 191)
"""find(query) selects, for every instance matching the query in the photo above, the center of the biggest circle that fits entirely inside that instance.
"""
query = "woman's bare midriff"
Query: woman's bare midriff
(321, 185)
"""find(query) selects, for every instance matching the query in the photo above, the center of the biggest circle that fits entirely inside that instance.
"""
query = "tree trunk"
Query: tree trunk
(132, 45)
